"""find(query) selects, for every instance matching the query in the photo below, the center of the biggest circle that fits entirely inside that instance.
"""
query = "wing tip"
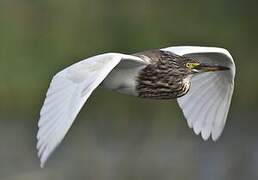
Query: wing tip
(43, 156)
(42, 152)
(205, 134)
(216, 135)
(213, 136)
(42, 164)
(39, 155)
(43, 160)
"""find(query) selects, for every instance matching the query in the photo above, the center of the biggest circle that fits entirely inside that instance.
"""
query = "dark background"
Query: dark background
(117, 136)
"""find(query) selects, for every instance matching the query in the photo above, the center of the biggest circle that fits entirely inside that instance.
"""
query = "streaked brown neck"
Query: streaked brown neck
(163, 78)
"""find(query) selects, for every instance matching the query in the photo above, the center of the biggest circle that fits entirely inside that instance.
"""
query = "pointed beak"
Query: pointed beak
(209, 67)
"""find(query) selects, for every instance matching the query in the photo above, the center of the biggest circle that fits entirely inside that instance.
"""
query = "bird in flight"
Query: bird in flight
(200, 78)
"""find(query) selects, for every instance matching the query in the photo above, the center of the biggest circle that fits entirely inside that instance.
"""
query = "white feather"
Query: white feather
(206, 104)
(68, 91)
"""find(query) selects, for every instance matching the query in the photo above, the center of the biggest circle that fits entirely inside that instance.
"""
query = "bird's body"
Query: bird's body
(201, 78)
(159, 77)
(163, 78)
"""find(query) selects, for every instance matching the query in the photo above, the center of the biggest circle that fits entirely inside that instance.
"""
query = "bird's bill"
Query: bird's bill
(209, 67)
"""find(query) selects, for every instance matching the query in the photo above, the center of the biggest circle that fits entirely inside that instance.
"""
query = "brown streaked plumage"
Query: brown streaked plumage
(166, 77)
(158, 74)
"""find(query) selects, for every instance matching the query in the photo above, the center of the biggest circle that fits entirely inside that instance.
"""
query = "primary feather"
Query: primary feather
(206, 104)
(68, 91)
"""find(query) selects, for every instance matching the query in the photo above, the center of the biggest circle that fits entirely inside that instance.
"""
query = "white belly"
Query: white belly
(122, 80)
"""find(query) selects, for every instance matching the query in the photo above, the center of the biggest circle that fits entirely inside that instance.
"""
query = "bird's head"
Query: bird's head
(184, 65)
(194, 66)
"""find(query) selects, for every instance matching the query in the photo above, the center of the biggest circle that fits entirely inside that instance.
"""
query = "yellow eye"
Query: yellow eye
(191, 65)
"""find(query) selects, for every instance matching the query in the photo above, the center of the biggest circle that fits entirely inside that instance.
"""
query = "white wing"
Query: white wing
(66, 95)
(206, 104)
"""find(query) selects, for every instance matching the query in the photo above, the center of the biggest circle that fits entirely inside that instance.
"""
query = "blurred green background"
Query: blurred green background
(117, 136)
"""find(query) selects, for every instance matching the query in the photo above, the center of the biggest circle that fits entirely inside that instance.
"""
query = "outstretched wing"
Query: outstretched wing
(68, 91)
(206, 104)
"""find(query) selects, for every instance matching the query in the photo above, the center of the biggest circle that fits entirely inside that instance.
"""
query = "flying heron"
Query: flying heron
(200, 78)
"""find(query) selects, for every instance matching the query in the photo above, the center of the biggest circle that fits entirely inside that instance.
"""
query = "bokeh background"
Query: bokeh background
(117, 136)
